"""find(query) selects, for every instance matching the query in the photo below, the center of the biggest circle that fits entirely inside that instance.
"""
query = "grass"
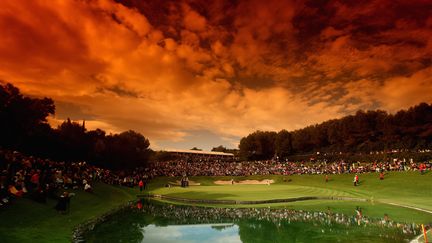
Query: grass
(27, 221)
(404, 188)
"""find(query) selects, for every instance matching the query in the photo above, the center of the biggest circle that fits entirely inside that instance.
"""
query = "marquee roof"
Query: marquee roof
(198, 152)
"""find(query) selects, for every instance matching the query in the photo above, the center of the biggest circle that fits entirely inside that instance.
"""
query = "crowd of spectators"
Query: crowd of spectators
(39, 179)
(270, 167)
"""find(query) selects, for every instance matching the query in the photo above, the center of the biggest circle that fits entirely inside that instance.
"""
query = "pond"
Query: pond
(151, 221)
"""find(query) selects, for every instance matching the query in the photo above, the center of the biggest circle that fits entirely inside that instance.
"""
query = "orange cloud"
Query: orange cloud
(193, 21)
(218, 66)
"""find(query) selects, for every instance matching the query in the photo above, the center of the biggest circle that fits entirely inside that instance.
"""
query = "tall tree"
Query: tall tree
(21, 117)
(127, 150)
(74, 141)
(219, 148)
(258, 146)
(283, 144)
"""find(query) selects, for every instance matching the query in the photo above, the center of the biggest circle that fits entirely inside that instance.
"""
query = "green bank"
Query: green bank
(28, 221)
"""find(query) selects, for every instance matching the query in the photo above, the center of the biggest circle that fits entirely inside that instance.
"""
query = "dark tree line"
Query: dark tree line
(363, 132)
(24, 127)
(223, 149)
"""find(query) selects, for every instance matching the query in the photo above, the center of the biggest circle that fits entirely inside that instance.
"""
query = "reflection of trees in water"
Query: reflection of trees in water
(221, 227)
(255, 224)
(260, 231)
(253, 230)
(125, 225)
(257, 231)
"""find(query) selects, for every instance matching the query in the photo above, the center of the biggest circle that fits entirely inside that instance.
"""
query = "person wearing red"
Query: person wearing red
(356, 180)
(422, 167)
(141, 185)
(35, 178)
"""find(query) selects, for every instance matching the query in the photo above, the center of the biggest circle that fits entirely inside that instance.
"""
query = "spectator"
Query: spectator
(63, 203)
(141, 185)
(88, 188)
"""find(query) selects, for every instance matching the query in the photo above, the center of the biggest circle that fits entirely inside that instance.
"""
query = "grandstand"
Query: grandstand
(199, 153)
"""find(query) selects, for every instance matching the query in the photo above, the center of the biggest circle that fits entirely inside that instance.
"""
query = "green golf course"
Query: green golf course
(409, 189)
(406, 196)
(402, 196)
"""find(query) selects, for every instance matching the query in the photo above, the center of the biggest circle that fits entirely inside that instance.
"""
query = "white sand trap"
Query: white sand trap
(191, 183)
(245, 182)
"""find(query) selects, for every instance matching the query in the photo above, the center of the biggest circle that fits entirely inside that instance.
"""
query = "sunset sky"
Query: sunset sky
(203, 73)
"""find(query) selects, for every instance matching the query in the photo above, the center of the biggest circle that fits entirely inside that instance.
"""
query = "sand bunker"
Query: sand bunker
(191, 183)
(245, 182)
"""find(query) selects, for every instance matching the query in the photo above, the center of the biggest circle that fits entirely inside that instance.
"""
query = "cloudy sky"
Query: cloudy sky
(190, 73)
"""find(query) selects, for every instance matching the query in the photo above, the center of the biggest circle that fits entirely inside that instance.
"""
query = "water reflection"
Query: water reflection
(155, 222)
(226, 233)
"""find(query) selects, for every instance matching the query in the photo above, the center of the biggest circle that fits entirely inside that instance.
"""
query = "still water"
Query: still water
(156, 222)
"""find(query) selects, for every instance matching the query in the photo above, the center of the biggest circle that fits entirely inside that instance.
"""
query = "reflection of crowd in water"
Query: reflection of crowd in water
(269, 167)
(206, 215)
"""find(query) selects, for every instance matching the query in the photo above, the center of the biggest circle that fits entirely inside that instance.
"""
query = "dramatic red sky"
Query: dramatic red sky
(202, 73)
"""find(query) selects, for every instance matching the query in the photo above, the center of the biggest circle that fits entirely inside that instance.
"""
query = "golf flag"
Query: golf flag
(424, 233)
